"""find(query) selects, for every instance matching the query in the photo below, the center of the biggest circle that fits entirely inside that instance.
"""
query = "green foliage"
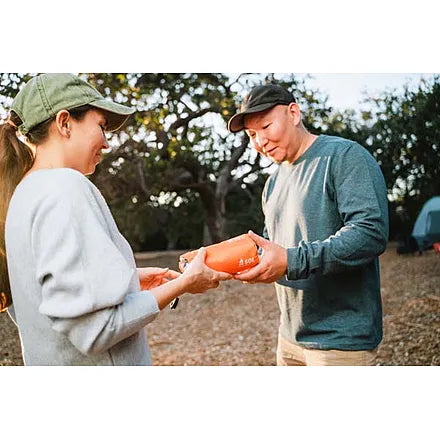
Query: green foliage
(178, 142)
(174, 172)
(243, 208)
(404, 134)
(10, 84)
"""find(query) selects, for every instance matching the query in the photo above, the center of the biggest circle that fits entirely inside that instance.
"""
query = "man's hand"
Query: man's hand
(150, 277)
(272, 265)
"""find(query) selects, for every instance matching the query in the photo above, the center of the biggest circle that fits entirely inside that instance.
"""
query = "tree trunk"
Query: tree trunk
(216, 226)
(214, 214)
(207, 240)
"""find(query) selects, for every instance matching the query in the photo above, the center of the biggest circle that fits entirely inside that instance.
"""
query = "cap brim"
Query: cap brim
(236, 123)
(117, 114)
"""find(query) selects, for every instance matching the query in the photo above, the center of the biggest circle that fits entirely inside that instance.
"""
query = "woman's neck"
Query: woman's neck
(47, 156)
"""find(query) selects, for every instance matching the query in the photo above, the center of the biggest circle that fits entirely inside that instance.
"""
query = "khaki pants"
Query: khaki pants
(292, 354)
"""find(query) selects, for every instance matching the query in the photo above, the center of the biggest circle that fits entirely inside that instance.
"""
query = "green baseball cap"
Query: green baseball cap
(45, 95)
(259, 99)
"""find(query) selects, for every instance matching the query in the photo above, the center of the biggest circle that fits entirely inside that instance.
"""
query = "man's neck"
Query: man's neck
(306, 139)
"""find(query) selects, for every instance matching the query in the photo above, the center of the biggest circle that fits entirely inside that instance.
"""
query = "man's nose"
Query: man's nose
(261, 140)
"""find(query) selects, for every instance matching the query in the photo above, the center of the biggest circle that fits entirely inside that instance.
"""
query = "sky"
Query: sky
(345, 90)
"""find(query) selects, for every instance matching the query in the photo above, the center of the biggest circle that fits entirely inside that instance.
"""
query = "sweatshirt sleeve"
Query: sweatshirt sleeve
(361, 197)
(84, 278)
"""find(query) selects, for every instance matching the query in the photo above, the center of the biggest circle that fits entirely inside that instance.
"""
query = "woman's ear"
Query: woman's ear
(62, 122)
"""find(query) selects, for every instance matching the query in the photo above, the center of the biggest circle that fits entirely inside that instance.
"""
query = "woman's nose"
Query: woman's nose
(105, 144)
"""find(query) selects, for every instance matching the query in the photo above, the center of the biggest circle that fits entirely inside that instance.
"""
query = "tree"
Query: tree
(404, 134)
(10, 84)
(176, 153)
(178, 140)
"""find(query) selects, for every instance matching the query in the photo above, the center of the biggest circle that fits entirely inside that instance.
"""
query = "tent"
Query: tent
(426, 229)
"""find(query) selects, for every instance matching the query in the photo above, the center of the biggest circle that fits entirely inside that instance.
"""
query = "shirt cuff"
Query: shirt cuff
(292, 272)
(140, 307)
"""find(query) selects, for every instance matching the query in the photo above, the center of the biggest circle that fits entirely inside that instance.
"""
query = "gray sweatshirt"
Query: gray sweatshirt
(75, 288)
(329, 209)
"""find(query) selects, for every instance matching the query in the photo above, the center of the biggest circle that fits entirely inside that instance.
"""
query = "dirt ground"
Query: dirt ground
(237, 324)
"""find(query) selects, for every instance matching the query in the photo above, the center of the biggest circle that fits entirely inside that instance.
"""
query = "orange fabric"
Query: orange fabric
(234, 255)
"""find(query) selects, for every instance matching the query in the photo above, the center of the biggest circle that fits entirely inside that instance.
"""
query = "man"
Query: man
(326, 223)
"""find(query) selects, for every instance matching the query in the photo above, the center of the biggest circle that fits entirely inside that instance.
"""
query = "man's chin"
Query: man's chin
(275, 156)
(276, 159)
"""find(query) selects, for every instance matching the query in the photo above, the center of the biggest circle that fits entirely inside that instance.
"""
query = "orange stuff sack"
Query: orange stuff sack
(232, 256)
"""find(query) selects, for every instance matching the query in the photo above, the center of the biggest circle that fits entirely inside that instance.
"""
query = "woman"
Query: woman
(77, 296)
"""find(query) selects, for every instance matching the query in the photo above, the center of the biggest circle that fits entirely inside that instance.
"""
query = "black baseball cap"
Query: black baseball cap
(259, 99)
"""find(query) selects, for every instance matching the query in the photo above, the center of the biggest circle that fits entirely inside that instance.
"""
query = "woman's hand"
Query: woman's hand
(199, 277)
(150, 277)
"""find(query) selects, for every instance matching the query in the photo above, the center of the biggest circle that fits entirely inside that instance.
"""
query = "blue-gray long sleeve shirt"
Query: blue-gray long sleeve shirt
(329, 209)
